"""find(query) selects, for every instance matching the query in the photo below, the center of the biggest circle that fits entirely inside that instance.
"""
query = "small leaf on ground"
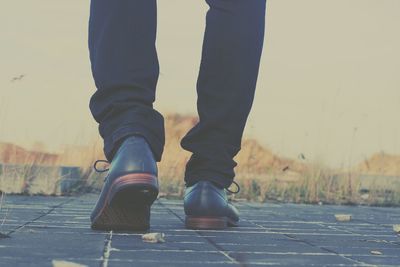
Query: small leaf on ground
(343, 217)
(60, 263)
(154, 237)
(376, 252)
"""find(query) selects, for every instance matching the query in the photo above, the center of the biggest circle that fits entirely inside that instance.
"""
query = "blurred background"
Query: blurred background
(324, 127)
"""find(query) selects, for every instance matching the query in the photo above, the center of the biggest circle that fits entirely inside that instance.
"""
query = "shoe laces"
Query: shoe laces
(237, 188)
(103, 169)
(107, 169)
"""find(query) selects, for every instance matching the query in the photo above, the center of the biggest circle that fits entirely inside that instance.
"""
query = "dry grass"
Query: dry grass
(262, 175)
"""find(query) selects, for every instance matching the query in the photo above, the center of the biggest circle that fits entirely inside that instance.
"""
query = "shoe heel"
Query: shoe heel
(123, 218)
(128, 202)
(136, 188)
(206, 222)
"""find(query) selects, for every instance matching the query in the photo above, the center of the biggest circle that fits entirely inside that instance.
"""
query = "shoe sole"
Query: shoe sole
(128, 202)
(209, 222)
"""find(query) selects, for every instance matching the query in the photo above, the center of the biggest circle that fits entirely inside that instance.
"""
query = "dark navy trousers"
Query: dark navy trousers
(122, 35)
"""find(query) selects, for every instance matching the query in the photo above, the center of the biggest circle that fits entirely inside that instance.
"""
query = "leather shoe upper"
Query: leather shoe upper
(133, 156)
(206, 199)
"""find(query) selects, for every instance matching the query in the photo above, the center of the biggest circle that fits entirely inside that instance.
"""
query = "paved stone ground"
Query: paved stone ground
(44, 230)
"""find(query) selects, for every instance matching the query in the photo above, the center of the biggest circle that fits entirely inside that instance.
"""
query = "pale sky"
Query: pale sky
(329, 83)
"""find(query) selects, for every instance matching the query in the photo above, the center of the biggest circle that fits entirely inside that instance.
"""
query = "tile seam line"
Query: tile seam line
(322, 248)
(38, 217)
(219, 248)
(106, 250)
(309, 243)
(328, 226)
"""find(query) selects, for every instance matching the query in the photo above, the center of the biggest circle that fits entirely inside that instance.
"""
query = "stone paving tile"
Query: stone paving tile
(38, 240)
(43, 229)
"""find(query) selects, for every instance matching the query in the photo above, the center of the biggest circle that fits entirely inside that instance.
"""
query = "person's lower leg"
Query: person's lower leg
(125, 68)
(228, 73)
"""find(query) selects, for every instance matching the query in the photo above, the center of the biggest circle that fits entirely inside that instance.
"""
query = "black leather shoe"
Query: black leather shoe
(206, 207)
(129, 189)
